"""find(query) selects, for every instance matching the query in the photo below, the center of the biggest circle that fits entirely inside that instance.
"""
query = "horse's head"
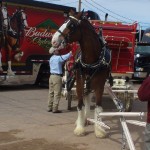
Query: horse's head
(19, 20)
(23, 18)
(4, 16)
(69, 32)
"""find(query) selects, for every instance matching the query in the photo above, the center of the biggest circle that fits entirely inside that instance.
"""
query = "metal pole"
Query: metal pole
(79, 7)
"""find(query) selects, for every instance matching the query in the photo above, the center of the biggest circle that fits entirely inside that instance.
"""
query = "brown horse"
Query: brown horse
(17, 24)
(3, 29)
(92, 68)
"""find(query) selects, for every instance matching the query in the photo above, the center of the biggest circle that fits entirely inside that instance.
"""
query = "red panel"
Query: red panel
(121, 40)
(37, 39)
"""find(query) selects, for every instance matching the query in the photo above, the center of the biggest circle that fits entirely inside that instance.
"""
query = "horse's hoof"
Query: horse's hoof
(10, 73)
(100, 133)
(18, 56)
(79, 131)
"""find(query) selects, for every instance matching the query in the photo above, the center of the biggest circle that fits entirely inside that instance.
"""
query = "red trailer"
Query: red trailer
(121, 41)
(43, 20)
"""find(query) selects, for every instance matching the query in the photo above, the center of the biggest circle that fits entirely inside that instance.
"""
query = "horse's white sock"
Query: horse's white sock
(9, 65)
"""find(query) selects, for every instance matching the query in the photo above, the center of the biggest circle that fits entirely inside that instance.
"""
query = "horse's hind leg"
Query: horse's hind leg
(99, 130)
(9, 70)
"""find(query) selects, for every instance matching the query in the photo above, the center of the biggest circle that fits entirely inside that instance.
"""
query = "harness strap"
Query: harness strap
(101, 62)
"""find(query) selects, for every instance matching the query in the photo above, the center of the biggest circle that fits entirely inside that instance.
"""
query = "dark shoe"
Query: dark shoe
(49, 110)
(57, 111)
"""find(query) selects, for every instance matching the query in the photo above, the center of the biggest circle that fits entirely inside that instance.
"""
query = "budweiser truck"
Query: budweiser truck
(43, 20)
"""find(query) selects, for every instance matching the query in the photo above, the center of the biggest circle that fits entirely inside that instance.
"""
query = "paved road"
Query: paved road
(26, 125)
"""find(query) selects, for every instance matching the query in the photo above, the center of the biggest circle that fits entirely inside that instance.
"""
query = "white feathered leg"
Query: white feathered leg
(80, 123)
(87, 105)
(99, 131)
(9, 71)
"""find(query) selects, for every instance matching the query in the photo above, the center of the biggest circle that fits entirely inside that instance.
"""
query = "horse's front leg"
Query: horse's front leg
(9, 70)
(80, 122)
(87, 100)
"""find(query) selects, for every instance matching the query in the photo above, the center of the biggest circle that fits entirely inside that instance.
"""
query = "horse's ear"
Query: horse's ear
(80, 14)
(72, 12)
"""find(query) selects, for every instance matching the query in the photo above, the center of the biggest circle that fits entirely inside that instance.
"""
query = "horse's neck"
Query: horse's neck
(90, 46)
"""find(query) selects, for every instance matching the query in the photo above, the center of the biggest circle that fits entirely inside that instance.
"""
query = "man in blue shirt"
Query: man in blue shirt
(55, 81)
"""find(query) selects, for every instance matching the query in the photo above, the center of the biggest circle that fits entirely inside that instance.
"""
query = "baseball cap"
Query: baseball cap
(51, 50)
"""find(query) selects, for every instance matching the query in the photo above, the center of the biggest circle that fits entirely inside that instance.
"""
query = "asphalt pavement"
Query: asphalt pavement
(25, 123)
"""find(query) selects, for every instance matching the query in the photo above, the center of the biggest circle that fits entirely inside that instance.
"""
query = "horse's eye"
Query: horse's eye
(71, 26)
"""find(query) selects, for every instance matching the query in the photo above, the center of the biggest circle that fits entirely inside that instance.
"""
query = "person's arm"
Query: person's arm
(65, 57)
(144, 90)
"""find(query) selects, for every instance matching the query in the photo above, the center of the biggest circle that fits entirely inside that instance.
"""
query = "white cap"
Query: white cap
(51, 50)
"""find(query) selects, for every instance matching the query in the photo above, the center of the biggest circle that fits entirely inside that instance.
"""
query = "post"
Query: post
(79, 7)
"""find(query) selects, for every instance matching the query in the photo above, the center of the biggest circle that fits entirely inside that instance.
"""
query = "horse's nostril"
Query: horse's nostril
(53, 42)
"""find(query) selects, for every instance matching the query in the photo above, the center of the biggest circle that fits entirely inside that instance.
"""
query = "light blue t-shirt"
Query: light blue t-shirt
(56, 62)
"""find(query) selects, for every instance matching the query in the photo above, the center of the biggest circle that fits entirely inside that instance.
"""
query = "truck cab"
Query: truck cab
(142, 56)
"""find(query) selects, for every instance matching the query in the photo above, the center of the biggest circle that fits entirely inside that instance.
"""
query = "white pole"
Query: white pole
(125, 114)
(79, 7)
(127, 134)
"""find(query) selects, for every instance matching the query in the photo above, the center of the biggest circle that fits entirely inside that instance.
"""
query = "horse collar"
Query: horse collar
(103, 60)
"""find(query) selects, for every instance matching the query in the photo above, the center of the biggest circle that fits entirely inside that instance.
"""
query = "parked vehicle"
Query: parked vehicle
(43, 20)
(142, 56)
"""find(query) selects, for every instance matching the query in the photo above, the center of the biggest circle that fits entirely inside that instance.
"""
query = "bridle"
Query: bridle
(24, 17)
(5, 17)
(71, 25)
(21, 17)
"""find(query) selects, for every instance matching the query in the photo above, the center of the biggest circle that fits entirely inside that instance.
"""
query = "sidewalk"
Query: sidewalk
(25, 124)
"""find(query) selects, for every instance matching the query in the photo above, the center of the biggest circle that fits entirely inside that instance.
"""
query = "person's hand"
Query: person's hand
(70, 53)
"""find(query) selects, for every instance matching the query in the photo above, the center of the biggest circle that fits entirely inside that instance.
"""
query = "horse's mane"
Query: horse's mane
(90, 26)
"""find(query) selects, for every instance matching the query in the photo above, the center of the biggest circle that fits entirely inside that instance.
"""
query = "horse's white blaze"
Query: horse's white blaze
(57, 38)
(4, 13)
(24, 19)
(99, 131)
(80, 123)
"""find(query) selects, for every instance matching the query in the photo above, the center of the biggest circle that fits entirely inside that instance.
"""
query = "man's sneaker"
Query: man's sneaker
(49, 110)
(57, 111)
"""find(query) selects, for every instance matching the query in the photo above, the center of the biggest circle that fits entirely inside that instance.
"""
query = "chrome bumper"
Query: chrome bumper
(140, 74)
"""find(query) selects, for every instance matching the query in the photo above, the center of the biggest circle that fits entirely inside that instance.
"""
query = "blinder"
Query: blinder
(72, 25)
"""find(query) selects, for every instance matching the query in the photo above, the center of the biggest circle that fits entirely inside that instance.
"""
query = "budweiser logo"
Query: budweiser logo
(34, 32)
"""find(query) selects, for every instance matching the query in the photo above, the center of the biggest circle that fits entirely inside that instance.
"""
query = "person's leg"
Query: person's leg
(147, 137)
(50, 94)
(57, 92)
